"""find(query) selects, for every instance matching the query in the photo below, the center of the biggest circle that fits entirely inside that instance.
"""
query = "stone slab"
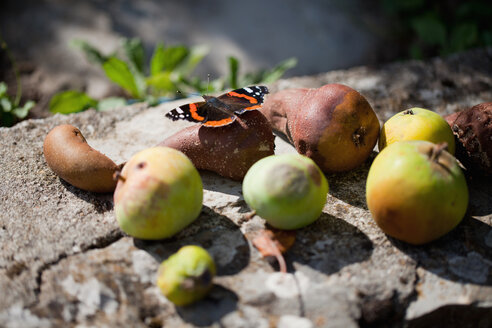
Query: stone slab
(64, 261)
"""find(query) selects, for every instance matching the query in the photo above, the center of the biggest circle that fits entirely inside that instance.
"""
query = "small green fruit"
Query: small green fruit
(159, 192)
(186, 276)
(416, 191)
(417, 124)
(288, 191)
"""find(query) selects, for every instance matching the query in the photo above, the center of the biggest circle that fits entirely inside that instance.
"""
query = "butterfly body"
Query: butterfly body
(221, 110)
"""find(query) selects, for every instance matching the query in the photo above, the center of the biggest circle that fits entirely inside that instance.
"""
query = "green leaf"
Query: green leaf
(111, 103)
(233, 70)
(173, 56)
(118, 71)
(430, 30)
(162, 82)
(134, 51)
(71, 101)
(21, 112)
(463, 36)
(6, 104)
(156, 63)
(92, 54)
(276, 73)
(3, 89)
(167, 59)
(195, 56)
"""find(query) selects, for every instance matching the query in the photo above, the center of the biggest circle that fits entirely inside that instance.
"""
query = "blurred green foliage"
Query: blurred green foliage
(168, 74)
(440, 27)
(10, 109)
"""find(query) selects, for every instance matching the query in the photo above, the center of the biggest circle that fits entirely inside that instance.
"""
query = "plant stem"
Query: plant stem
(18, 94)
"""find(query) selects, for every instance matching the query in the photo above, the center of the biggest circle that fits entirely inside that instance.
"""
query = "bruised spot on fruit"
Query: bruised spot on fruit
(162, 192)
(200, 281)
(141, 165)
(315, 175)
(358, 136)
(302, 147)
(287, 180)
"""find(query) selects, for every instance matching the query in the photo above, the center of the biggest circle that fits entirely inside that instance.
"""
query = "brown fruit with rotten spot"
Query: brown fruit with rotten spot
(473, 131)
(227, 150)
(69, 155)
(334, 125)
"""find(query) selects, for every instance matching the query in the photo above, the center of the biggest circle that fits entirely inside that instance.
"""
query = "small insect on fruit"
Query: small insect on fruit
(221, 110)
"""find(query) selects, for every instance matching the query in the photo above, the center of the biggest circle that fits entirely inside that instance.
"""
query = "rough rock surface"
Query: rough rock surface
(64, 262)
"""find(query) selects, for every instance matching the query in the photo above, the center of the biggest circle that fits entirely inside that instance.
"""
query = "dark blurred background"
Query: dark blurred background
(322, 35)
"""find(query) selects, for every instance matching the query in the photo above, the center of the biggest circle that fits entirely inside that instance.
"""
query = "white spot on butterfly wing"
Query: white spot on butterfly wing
(248, 90)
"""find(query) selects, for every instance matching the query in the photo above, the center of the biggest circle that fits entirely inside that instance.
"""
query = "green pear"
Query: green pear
(186, 276)
(159, 192)
(288, 191)
(416, 191)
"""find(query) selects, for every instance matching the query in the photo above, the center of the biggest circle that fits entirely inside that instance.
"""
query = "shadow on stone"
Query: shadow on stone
(219, 302)
(102, 202)
(463, 255)
(214, 182)
(350, 187)
(328, 245)
(462, 316)
(480, 196)
(214, 232)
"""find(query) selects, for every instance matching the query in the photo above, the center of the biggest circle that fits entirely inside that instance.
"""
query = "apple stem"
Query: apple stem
(408, 112)
(437, 150)
(117, 176)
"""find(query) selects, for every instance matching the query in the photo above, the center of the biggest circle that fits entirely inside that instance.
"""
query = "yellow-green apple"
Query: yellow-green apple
(186, 276)
(159, 192)
(416, 191)
(288, 191)
(417, 124)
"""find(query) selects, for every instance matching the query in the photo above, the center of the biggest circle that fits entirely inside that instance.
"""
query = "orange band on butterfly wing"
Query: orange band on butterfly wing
(194, 114)
(252, 107)
(224, 121)
(251, 99)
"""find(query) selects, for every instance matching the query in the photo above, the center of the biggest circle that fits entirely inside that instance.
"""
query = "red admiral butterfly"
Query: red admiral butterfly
(221, 110)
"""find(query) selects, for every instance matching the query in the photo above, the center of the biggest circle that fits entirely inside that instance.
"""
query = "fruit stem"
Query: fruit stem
(408, 112)
(437, 150)
(117, 176)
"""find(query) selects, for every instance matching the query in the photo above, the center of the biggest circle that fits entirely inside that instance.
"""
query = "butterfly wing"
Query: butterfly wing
(194, 112)
(244, 99)
(200, 112)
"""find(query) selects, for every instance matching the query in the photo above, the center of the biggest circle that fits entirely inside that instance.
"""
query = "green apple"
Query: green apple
(159, 192)
(186, 276)
(416, 191)
(417, 124)
(288, 191)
